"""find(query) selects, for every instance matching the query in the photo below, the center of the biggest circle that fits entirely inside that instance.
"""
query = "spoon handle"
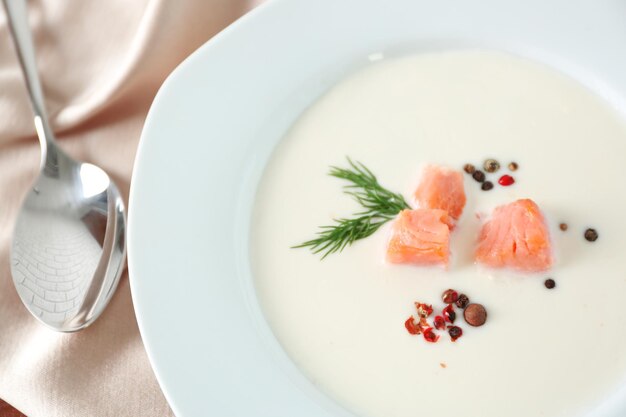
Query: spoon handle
(17, 15)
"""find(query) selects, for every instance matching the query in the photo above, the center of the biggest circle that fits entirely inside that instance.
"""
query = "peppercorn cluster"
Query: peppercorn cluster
(474, 314)
(490, 166)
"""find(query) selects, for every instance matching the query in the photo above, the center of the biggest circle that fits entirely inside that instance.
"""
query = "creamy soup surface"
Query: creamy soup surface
(542, 352)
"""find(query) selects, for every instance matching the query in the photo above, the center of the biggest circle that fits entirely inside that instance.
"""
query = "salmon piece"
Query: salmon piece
(442, 188)
(420, 237)
(516, 237)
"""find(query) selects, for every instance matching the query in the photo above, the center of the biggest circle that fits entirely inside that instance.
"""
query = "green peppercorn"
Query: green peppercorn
(491, 165)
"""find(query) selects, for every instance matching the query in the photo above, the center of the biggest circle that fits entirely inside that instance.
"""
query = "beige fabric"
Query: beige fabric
(101, 64)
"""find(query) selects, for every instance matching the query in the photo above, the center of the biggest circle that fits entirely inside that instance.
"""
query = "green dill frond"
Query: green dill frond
(379, 206)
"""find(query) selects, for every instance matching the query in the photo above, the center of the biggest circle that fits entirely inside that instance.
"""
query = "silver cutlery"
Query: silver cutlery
(69, 244)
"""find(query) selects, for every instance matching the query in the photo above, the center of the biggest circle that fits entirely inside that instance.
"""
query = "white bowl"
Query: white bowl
(211, 130)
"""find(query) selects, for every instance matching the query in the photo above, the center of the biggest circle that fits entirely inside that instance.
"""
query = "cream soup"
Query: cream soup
(542, 352)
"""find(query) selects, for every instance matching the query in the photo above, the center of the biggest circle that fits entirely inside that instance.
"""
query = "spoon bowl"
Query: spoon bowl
(69, 245)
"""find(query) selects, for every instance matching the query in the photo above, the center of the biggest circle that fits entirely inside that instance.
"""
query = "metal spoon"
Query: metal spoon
(69, 242)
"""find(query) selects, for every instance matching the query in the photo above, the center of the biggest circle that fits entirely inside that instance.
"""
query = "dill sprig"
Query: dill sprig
(379, 206)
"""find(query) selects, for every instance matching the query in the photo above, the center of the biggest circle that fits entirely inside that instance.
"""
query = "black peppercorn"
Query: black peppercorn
(591, 235)
(549, 283)
(486, 186)
(479, 176)
(469, 168)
